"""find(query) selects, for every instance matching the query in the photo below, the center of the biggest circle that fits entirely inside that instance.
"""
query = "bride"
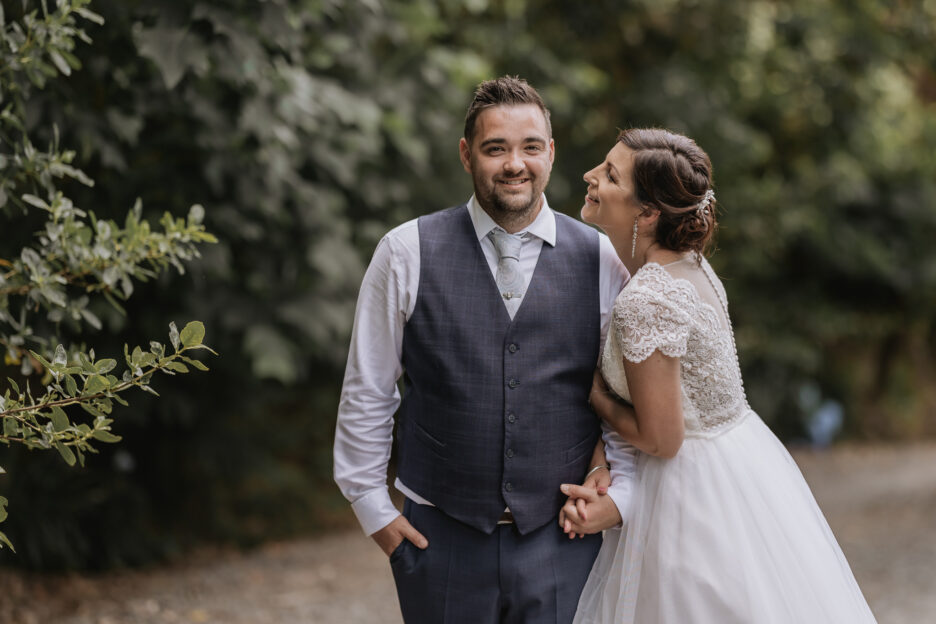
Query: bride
(723, 527)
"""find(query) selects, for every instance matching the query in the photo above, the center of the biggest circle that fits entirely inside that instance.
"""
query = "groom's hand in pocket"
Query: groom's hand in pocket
(392, 535)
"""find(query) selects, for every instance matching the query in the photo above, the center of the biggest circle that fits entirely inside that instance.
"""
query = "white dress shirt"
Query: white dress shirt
(370, 397)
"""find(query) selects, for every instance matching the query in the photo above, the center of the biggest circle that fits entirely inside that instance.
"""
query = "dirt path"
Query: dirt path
(880, 501)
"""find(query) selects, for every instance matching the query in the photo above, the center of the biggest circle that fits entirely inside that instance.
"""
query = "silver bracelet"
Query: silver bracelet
(590, 472)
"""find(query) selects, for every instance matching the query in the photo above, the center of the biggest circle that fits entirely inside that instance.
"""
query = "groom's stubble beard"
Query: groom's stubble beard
(508, 210)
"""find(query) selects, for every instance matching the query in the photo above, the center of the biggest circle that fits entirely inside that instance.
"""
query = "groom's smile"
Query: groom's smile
(509, 159)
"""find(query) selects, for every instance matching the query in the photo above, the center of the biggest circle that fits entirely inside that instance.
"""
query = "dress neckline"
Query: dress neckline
(653, 263)
(689, 255)
(697, 297)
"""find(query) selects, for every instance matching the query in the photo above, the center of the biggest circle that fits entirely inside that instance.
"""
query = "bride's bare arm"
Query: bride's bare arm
(654, 424)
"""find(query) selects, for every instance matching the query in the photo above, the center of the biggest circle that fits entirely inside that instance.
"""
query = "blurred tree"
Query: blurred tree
(73, 256)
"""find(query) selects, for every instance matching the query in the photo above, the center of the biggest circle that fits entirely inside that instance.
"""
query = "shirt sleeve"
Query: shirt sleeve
(369, 394)
(612, 276)
(622, 457)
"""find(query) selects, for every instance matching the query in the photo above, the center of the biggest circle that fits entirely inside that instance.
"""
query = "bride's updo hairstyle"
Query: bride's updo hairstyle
(673, 174)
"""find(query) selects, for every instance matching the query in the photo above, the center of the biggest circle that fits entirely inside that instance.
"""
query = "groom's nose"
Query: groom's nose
(514, 163)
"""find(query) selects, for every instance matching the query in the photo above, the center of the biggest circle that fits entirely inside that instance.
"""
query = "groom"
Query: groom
(493, 313)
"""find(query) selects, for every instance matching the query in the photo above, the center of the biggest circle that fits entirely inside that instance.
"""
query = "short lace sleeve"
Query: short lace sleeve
(653, 312)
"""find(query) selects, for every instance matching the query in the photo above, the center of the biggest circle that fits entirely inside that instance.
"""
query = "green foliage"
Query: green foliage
(41, 423)
(34, 50)
(72, 258)
(75, 258)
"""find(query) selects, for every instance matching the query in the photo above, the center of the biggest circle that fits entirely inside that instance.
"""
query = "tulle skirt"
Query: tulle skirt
(725, 532)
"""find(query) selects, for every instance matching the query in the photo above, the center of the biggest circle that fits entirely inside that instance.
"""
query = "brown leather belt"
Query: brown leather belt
(506, 518)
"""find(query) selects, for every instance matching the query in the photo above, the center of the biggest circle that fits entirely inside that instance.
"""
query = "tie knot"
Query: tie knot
(507, 245)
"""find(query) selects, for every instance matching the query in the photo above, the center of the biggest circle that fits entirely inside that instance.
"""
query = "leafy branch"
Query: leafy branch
(75, 257)
(42, 422)
(36, 48)
(78, 254)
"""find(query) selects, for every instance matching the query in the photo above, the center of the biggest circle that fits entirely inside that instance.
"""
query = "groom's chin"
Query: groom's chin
(514, 204)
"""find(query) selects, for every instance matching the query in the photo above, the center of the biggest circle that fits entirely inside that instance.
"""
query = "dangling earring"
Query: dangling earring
(634, 244)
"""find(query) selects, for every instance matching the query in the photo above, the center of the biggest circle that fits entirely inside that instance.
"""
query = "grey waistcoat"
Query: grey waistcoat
(495, 411)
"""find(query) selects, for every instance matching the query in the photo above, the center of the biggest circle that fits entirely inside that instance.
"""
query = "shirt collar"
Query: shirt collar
(543, 226)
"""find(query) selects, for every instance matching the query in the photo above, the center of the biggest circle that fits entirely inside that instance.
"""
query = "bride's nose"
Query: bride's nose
(589, 176)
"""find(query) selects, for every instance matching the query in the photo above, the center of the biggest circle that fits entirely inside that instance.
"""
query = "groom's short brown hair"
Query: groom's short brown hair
(503, 91)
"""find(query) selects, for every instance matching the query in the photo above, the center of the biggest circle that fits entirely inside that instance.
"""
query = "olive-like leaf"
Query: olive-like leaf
(65, 452)
(192, 334)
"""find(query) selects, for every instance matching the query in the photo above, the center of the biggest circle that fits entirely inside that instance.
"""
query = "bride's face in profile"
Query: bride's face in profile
(610, 202)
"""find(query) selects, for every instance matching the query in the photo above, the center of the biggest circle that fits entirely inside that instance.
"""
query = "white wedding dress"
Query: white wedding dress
(727, 531)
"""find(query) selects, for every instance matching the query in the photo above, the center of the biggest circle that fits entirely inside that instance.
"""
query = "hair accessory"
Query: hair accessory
(702, 208)
(634, 244)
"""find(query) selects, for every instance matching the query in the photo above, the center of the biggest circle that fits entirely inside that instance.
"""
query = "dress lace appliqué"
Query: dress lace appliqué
(657, 311)
(654, 316)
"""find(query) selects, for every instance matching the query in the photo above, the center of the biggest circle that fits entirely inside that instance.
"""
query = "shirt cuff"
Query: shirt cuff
(621, 493)
(375, 510)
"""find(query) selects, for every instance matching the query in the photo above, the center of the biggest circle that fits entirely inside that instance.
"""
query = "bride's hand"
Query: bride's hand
(598, 476)
(599, 480)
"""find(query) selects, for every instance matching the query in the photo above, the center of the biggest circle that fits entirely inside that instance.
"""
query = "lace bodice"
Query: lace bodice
(659, 311)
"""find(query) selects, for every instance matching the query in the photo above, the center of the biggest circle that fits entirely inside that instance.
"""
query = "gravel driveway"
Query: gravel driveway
(880, 501)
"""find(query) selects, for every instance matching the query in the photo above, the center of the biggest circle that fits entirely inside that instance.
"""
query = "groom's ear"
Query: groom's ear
(464, 153)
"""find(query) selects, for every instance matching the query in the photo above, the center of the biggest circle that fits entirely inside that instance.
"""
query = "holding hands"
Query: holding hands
(588, 509)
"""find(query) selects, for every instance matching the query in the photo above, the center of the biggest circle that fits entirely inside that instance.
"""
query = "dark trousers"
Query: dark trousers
(503, 578)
